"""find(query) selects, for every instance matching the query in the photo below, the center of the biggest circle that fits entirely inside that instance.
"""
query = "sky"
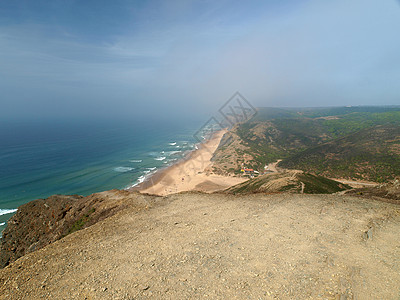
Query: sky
(120, 58)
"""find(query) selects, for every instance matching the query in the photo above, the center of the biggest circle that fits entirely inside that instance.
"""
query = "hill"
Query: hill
(289, 182)
(41, 222)
(389, 192)
(371, 154)
(293, 134)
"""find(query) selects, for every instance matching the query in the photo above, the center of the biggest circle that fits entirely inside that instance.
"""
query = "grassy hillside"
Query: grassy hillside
(295, 135)
(289, 182)
(370, 154)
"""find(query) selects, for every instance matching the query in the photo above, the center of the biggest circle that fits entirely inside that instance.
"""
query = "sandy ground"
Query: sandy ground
(273, 167)
(198, 246)
(192, 174)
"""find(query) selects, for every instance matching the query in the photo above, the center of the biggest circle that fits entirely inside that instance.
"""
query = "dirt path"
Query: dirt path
(194, 246)
(356, 184)
(272, 167)
(303, 186)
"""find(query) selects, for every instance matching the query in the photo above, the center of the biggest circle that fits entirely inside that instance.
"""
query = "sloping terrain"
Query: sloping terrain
(354, 143)
(258, 143)
(44, 221)
(194, 246)
(370, 154)
(289, 182)
(230, 154)
(389, 192)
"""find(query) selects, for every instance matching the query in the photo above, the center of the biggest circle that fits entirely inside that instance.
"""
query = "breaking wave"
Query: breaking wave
(160, 158)
(7, 211)
(123, 169)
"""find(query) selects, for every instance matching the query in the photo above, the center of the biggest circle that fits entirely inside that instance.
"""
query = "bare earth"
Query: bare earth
(356, 184)
(192, 246)
(273, 167)
(193, 173)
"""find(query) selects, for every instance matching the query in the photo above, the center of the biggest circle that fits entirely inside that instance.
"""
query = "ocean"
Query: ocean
(41, 159)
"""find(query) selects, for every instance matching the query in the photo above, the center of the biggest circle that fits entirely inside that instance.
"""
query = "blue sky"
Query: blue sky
(127, 58)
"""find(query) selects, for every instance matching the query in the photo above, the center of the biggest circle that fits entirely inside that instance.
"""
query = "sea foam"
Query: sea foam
(4, 223)
(7, 211)
(173, 152)
(160, 158)
(141, 179)
(123, 169)
(136, 160)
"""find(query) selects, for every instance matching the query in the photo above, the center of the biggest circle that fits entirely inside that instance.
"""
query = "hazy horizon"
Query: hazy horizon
(121, 59)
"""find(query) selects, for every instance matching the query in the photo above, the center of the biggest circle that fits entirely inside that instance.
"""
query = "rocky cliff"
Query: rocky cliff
(43, 221)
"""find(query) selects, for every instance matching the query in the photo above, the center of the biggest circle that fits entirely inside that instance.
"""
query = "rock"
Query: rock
(368, 234)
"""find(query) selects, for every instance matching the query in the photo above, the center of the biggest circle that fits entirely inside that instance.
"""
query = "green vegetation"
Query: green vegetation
(365, 154)
(249, 186)
(348, 142)
(320, 185)
(291, 181)
(78, 225)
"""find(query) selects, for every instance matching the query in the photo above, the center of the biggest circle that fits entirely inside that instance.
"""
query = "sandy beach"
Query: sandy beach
(191, 174)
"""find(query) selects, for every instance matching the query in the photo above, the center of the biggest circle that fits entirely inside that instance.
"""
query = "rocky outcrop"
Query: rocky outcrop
(43, 221)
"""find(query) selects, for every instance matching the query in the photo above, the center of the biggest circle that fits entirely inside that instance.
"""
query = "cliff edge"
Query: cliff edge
(41, 222)
(193, 245)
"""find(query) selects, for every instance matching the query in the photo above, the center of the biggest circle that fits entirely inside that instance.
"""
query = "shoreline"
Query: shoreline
(191, 173)
(158, 175)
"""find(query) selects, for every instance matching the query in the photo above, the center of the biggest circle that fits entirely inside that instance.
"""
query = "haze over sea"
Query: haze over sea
(103, 60)
(41, 159)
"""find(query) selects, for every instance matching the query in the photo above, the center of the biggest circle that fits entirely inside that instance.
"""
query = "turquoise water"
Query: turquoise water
(41, 159)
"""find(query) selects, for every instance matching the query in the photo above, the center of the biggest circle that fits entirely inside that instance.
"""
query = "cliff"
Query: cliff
(44, 221)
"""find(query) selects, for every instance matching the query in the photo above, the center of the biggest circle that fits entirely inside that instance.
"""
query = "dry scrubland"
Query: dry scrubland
(355, 143)
(220, 246)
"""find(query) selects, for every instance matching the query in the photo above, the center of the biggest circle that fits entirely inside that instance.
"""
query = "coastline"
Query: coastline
(191, 173)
